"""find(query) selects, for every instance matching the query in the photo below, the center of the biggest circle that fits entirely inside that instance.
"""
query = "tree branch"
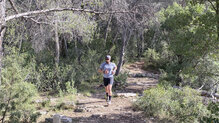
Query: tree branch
(59, 10)
(6, 109)
(13, 7)
(2, 28)
(212, 5)
(26, 17)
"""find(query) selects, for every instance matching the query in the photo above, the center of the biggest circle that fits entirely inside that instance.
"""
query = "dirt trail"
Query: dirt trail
(120, 111)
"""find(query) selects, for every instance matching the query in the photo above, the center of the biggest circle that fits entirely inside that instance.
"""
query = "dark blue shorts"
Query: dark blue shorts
(108, 81)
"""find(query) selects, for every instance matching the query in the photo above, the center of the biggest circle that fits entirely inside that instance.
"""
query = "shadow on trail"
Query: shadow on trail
(137, 87)
(110, 118)
(91, 102)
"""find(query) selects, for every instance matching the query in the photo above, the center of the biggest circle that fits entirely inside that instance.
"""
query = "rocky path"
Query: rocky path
(94, 109)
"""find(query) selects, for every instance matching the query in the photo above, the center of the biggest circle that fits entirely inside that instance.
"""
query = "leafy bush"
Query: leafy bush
(167, 78)
(15, 93)
(214, 116)
(50, 78)
(121, 80)
(67, 76)
(195, 57)
(68, 89)
(151, 59)
(173, 104)
(156, 60)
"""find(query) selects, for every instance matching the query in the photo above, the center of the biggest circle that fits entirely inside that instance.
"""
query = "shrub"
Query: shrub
(213, 107)
(121, 80)
(156, 60)
(50, 78)
(183, 105)
(151, 59)
(15, 93)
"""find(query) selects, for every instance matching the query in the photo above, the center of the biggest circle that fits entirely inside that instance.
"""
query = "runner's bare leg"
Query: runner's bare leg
(109, 89)
(106, 89)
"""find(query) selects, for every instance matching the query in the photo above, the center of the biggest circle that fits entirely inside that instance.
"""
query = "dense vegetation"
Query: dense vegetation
(173, 104)
(57, 52)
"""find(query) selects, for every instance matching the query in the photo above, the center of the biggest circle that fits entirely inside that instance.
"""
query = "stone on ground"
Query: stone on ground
(126, 94)
(61, 119)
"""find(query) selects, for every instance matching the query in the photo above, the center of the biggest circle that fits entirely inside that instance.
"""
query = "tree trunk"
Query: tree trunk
(57, 44)
(2, 31)
(66, 48)
(63, 44)
(122, 52)
(6, 109)
(20, 45)
(217, 16)
(140, 45)
(107, 29)
(126, 35)
(178, 78)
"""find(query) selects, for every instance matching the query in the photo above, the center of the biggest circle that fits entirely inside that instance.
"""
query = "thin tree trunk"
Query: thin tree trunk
(20, 45)
(178, 78)
(76, 46)
(66, 48)
(217, 16)
(122, 52)
(107, 29)
(142, 43)
(115, 38)
(125, 39)
(216, 88)
(1, 50)
(138, 45)
(2, 31)
(57, 44)
(6, 109)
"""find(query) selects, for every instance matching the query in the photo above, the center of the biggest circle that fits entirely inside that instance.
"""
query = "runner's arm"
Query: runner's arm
(114, 69)
(100, 70)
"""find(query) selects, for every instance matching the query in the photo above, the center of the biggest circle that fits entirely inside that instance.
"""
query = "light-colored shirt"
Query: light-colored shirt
(109, 67)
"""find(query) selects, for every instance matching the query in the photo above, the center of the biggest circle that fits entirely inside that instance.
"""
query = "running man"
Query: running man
(108, 69)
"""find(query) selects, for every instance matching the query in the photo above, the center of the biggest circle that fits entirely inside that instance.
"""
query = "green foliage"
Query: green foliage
(61, 106)
(205, 73)
(121, 80)
(16, 93)
(156, 60)
(68, 89)
(46, 103)
(214, 116)
(187, 27)
(167, 79)
(25, 116)
(152, 59)
(178, 105)
(81, 23)
(54, 78)
(64, 78)
(184, 30)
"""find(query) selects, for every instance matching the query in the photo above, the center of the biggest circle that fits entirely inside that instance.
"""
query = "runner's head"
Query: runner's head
(108, 58)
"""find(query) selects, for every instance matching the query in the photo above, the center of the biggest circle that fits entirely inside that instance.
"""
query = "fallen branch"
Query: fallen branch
(208, 94)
